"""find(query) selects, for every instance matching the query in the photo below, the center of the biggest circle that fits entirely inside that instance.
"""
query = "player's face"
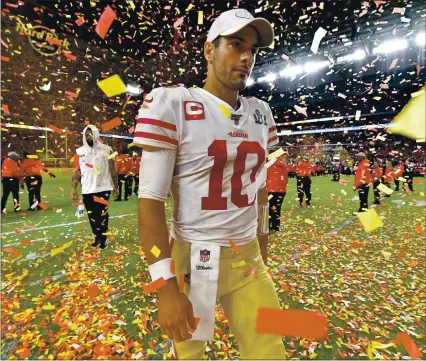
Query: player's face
(234, 59)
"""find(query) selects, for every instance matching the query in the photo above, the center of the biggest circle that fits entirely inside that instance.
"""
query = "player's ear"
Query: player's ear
(208, 51)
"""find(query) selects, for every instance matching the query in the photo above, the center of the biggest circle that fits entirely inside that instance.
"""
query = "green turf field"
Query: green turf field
(84, 303)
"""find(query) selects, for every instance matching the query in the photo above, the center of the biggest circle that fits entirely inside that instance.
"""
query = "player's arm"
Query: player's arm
(175, 311)
(114, 175)
(76, 176)
(263, 222)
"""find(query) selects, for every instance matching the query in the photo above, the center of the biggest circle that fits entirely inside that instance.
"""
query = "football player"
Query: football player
(209, 145)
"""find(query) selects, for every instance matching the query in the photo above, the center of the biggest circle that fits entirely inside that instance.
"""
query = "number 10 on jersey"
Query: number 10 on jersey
(218, 150)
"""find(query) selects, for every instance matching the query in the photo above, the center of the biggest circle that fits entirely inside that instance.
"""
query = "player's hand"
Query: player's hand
(22, 185)
(175, 312)
(264, 253)
(52, 175)
(115, 192)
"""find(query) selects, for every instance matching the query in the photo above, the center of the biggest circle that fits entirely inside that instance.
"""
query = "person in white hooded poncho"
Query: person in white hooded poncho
(98, 177)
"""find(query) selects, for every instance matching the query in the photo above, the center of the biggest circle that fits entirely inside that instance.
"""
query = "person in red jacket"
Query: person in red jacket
(11, 178)
(276, 185)
(304, 172)
(123, 163)
(362, 180)
(136, 166)
(377, 178)
(31, 169)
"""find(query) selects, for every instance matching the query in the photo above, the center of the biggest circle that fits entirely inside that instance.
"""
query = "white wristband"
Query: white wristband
(161, 269)
(263, 218)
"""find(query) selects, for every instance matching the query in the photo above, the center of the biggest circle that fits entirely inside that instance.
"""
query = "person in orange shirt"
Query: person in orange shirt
(377, 178)
(362, 180)
(31, 169)
(11, 178)
(398, 171)
(304, 172)
(276, 185)
(123, 164)
(136, 166)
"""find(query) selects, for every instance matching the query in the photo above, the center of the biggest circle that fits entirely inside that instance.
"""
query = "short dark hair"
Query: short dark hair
(217, 41)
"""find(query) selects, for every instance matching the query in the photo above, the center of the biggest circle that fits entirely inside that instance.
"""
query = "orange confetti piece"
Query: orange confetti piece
(409, 345)
(285, 287)
(93, 290)
(154, 286)
(401, 254)
(100, 200)
(79, 21)
(172, 266)
(105, 21)
(294, 323)
(5, 108)
(197, 321)
(234, 246)
(356, 244)
(181, 282)
(55, 129)
(54, 41)
(417, 182)
(68, 55)
(111, 124)
(76, 204)
(420, 229)
(42, 206)
(251, 271)
(4, 58)
(89, 165)
(26, 242)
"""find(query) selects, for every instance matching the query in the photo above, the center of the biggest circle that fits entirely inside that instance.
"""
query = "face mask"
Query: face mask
(90, 142)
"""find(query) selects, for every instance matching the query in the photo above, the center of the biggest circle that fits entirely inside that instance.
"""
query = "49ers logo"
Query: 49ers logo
(194, 110)
(238, 135)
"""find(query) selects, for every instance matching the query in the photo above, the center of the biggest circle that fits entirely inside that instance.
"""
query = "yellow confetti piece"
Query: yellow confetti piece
(238, 264)
(309, 221)
(48, 307)
(155, 251)
(270, 196)
(131, 145)
(370, 220)
(410, 122)
(112, 155)
(422, 194)
(276, 154)
(32, 156)
(358, 115)
(382, 188)
(200, 17)
(225, 110)
(55, 251)
(190, 6)
(112, 86)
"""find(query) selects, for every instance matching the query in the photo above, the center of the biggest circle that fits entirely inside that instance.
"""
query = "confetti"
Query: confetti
(105, 21)
(155, 251)
(370, 220)
(113, 123)
(112, 86)
(154, 286)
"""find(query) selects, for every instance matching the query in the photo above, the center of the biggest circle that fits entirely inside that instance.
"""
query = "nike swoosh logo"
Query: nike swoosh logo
(149, 100)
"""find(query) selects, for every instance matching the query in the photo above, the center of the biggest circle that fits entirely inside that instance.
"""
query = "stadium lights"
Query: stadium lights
(250, 81)
(291, 71)
(312, 66)
(421, 39)
(357, 55)
(133, 89)
(268, 78)
(391, 46)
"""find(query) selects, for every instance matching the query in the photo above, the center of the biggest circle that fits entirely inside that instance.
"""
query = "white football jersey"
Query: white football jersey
(220, 162)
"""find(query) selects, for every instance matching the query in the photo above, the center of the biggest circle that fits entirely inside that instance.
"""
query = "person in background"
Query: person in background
(409, 174)
(277, 179)
(304, 172)
(31, 169)
(11, 177)
(398, 171)
(362, 181)
(136, 165)
(123, 165)
(336, 173)
(377, 177)
(387, 178)
(98, 178)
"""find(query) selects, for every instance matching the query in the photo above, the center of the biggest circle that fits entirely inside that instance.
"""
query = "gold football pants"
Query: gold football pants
(240, 295)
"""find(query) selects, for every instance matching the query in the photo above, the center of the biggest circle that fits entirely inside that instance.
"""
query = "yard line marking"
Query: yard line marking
(15, 244)
(5, 224)
(64, 224)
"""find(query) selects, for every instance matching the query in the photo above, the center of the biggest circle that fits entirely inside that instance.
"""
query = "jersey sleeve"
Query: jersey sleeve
(272, 129)
(156, 121)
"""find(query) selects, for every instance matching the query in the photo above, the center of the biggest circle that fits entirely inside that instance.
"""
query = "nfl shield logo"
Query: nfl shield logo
(204, 255)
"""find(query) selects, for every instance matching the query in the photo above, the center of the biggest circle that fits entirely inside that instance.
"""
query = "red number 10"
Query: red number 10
(215, 200)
